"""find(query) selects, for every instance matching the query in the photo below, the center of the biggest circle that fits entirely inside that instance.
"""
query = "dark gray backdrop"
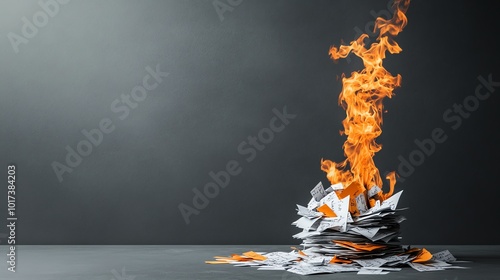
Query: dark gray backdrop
(227, 72)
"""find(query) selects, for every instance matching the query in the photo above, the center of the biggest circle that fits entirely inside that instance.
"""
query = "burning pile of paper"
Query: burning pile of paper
(330, 229)
(353, 225)
(333, 240)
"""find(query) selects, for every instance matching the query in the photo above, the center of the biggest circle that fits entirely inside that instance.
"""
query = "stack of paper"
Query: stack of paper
(329, 227)
(346, 230)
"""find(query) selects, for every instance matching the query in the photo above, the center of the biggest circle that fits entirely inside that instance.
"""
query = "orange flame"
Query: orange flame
(361, 97)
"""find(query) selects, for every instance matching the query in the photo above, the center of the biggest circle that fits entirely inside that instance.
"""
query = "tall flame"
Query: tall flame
(361, 97)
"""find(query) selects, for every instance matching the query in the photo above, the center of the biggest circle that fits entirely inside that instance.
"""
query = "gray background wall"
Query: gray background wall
(226, 74)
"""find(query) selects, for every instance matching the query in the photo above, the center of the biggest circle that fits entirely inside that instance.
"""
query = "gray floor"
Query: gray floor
(187, 262)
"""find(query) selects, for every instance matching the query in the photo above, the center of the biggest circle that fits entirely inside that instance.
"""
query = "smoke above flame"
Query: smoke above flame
(361, 97)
